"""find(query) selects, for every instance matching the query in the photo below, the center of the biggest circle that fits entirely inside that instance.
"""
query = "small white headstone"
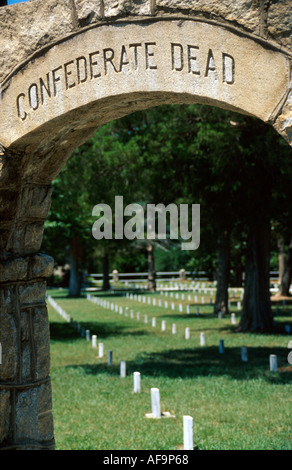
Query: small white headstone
(233, 319)
(155, 403)
(94, 338)
(137, 382)
(100, 349)
(123, 369)
(173, 329)
(153, 321)
(202, 339)
(187, 333)
(163, 325)
(188, 433)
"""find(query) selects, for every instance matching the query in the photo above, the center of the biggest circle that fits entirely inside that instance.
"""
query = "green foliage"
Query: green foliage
(174, 154)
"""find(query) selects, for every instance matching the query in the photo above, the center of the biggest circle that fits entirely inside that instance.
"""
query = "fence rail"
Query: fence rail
(162, 276)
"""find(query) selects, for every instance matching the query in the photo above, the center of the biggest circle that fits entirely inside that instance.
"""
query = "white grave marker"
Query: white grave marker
(100, 349)
(202, 339)
(137, 382)
(94, 338)
(123, 369)
(155, 403)
(188, 432)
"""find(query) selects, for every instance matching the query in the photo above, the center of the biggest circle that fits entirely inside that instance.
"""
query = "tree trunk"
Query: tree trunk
(223, 272)
(75, 278)
(256, 313)
(281, 258)
(105, 271)
(287, 275)
(151, 267)
(238, 270)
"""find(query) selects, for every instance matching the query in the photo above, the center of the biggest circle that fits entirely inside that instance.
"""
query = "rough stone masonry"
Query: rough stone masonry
(67, 67)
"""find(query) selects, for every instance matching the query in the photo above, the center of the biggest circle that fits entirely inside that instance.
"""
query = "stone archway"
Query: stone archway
(72, 66)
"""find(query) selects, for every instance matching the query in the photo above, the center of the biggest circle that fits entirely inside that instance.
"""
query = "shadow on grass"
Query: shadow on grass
(60, 331)
(201, 362)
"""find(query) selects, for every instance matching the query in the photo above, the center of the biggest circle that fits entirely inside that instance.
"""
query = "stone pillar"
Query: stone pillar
(26, 420)
(182, 274)
(115, 276)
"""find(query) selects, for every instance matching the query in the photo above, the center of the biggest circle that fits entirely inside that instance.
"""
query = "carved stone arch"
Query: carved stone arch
(72, 66)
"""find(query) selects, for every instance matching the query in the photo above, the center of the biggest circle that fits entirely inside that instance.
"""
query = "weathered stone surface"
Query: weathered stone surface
(244, 13)
(20, 269)
(26, 27)
(41, 266)
(42, 342)
(26, 238)
(8, 337)
(279, 21)
(89, 11)
(33, 414)
(206, 62)
(284, 122)
(114, 8)
(4, 414)
(35, 202)
(13, 270)
(32, 293)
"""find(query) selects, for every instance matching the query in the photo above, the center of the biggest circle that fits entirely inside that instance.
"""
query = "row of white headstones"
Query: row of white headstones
(154, 392)
(159, 302)
(114, 307)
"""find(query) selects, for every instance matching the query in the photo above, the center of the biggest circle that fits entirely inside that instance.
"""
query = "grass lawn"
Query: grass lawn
(235, 405)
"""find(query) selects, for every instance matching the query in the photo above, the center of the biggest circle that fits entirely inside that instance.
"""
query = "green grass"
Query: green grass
(235, 405)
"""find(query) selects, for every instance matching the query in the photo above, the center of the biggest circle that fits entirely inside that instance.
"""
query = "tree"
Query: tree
(94, 174)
